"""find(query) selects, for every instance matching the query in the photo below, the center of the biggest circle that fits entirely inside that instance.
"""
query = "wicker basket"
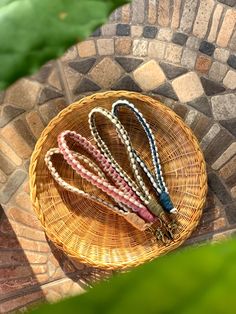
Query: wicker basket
(94, 235)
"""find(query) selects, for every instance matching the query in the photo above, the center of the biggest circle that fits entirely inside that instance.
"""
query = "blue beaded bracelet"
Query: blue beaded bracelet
(157, 179)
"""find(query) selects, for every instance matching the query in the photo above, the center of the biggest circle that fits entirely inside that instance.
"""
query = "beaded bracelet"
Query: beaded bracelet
(157, 180)
(125, 196)
(132, 218)
(139, 186)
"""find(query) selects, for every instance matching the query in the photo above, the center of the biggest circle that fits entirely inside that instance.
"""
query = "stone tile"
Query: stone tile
(192, 114)
(126, 83)
(149, 75)
(218, 71)
(106, 73)
(228, 2)
(230, 125)
(224, 106)
(3, 179)
(82, 66)
(218, 188)
(227, 28)
(165, 90)
(164, 13)
(136, 30)
(218, 146)
(211, 88)
(138, 8)
(48, 94)
(207, 48)
(13, 183)
(215, 22)
(231, 213)
(70, 54)
(225, 156)
(23, 94)
(203, 17)
(202, 105)
(221, 54)
(173, 53)
(149, 31)
(6, 165)
(9, 113)
(18, 143)
(172, 71)
(123, 46)
(123, 30)
(129, 64)
(188, 58)
(97, 32)
(188, 14)
(72, 78)
(8, 151)
(203, 64)
(126, 13)
(193, 43)
(188, 87)
(140, 47)
(232, 61)
(108, 30)
(165, 34)
(156, 49)
(105, 46)
(181, 110)
(232, 43)
(176, 14)
(233, 192)
(54, 79)
(86, 85)
(42, 75)
(201, 126)
(227, 170)
(230, 80)
(211, 134)
(49, 110)
(152, 11)
(86, 49)
(35, 123)
(179, 38)
(23, 130)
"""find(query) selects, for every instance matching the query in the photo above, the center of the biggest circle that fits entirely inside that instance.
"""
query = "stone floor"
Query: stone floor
(181, 52)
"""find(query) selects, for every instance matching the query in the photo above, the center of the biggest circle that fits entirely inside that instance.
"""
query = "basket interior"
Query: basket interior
(93, 234)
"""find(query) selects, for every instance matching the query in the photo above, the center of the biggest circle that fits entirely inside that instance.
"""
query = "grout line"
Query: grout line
(64, 83)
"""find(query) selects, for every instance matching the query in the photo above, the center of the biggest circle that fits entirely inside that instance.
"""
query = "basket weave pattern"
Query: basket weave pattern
(86, 231)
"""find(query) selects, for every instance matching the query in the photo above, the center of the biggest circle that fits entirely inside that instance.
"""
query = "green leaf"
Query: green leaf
(35, 31)
(191, 281)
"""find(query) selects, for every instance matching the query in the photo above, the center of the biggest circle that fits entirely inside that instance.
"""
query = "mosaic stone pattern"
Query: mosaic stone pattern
(180, 52)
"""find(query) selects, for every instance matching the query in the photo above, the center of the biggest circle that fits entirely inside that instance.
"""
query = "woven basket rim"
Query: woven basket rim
(37, 150)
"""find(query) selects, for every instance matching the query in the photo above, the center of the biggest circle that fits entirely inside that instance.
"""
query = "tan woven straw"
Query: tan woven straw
(92, 234)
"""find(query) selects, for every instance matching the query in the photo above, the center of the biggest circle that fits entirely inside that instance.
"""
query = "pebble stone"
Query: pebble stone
(232, 61)
(156, 49)
(230, 80)
(202, 19)
(221, 54)
(224, 106)
(179, 38)
(123, 30)
(227, 28)
(226, 155)
(149, 75)
(192, 87)
(140, 47)
(149, 31)
(106, 73)
(207, 48)
(173, 53)
(165, 34)
(105, 46)
(189, 58)
(218, 71)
